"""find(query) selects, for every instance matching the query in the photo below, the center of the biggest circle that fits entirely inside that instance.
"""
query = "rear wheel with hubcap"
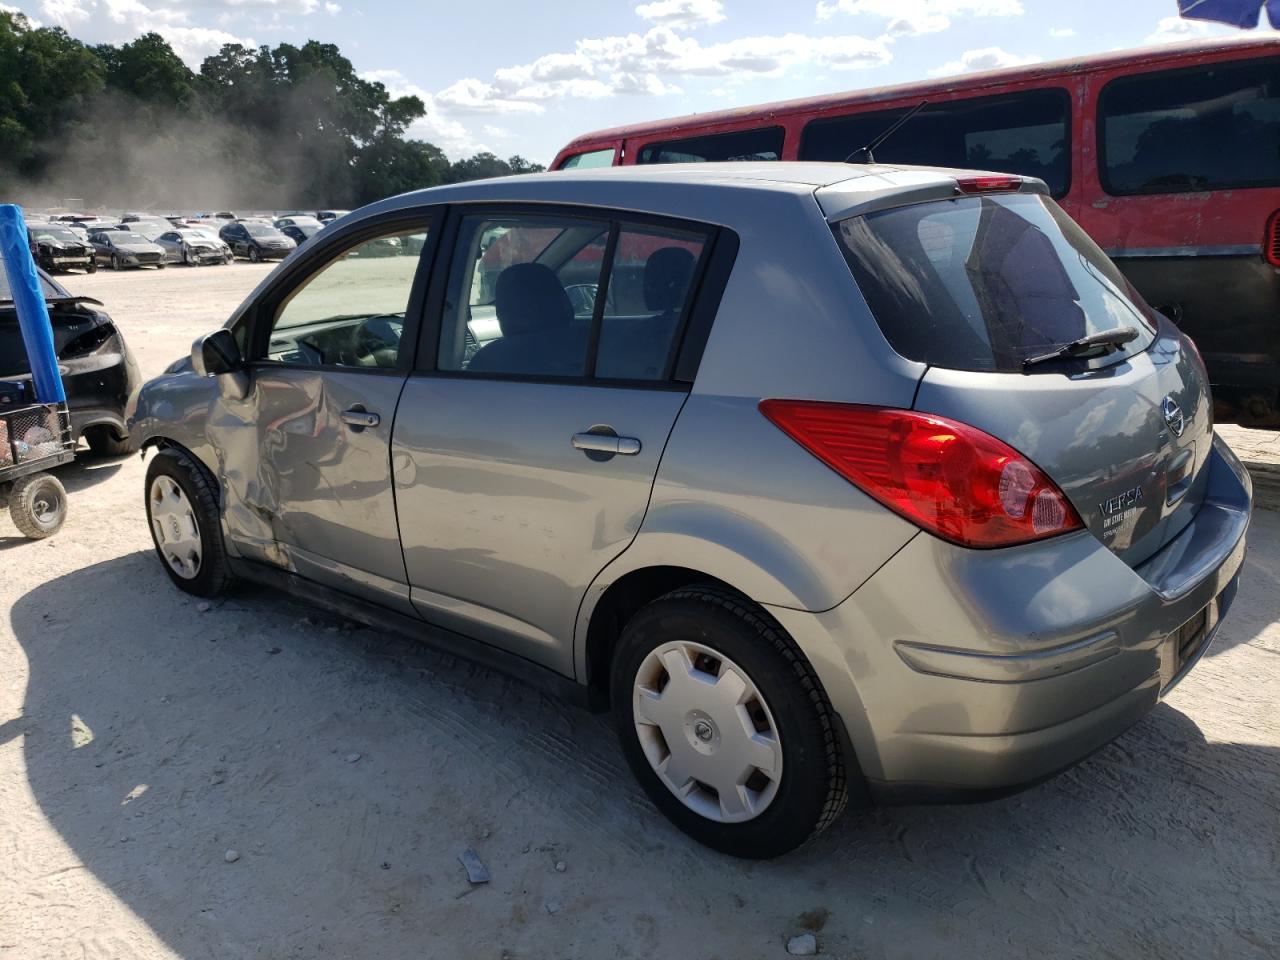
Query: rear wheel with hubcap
(182, 512)
(254, 255)
(725, 724)
(115, 262)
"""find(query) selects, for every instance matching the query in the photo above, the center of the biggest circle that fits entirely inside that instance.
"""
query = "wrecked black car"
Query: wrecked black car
(57, 248)
(98, 371)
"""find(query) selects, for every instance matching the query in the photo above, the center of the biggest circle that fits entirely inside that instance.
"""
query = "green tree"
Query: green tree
(149, 70)
(46, 79)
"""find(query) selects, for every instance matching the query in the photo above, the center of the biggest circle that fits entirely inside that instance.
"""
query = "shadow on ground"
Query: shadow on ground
(156, 737)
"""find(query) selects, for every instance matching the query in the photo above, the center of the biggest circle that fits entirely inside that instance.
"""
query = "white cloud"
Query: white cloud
(470, 95)
(988, 58)
(651, 63)
(437, 127)
(332, 9)
(118, 21)
(1062, 32)
(908, 18)
(1173, 29)
(682, 14)
(64, 13)
(31, 21)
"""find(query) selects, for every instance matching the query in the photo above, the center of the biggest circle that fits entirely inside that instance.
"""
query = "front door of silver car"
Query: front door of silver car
(307, 445)
(526, 445)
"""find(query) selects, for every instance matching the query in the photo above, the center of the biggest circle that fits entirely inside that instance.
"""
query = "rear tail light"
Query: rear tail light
(1271, 244)
(950, 478)
(990, 184)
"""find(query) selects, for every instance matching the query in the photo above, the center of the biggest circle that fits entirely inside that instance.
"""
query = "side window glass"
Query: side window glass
(1214, 127)
(522, 291)
(650, 286)
(351, 313)
(1025, 133)
(594, 158)
(762, 144)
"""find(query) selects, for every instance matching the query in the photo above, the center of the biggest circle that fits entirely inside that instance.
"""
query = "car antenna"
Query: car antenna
(867, 154)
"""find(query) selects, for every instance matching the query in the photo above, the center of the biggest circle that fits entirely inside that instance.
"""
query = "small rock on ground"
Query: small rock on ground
(805, 945)
(352, 757)
(561, 866)
(231, 856)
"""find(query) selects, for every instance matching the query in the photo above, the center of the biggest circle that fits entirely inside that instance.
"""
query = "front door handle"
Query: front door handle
(606, 443)
(358, 418)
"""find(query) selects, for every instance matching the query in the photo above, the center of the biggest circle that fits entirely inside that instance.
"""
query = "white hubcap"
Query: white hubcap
(707, 732)
(173, 522)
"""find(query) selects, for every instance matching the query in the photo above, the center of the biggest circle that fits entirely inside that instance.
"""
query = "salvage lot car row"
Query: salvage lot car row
(82, 242)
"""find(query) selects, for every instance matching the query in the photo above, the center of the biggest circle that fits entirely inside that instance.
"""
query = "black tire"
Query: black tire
(115, 262)
(38, 505)
(103, 442)
(92, 267)
(214, 576)
(255, 255)
(812, 792)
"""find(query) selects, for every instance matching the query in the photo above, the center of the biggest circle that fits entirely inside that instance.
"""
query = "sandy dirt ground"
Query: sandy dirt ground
(141, 739)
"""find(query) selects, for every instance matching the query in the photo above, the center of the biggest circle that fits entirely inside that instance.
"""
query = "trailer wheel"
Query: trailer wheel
(38, 505)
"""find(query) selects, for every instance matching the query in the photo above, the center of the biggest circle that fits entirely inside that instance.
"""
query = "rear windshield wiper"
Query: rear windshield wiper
(1106, 341)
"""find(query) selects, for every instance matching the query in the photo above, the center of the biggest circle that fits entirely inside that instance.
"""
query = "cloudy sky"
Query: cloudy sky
(515, 76)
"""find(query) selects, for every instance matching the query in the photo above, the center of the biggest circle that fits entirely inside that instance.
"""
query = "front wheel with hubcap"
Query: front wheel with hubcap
(725, 724)
(115, 262)
(182, 512)
(254, 255)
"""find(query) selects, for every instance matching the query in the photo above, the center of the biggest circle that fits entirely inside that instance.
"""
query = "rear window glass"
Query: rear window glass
(1025, 133)
(1209, 128)
(762, 144)
(13, 350)
(983, 283)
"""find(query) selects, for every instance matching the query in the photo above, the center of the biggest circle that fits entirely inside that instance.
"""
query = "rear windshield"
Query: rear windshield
(983, 283)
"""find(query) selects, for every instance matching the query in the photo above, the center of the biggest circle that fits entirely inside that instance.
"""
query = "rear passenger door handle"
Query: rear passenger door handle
(606, 443)
(358, 418)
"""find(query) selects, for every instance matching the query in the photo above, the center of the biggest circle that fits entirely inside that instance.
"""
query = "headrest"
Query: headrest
(666, 278)
(530, 299)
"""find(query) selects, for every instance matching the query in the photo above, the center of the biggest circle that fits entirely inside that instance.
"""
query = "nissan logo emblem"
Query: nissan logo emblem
(1173, 416)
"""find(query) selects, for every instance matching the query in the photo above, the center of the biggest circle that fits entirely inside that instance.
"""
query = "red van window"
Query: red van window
(592, 158)
(762, 144)
(1214, 127)
(1023, 133)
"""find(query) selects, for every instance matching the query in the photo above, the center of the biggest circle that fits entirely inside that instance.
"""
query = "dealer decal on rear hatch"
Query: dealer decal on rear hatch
(1115, 510)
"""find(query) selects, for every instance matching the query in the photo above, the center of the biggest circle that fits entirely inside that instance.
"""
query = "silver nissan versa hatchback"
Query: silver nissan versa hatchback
(832, 482)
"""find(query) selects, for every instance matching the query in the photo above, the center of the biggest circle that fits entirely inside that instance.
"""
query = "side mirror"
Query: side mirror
(215, 354)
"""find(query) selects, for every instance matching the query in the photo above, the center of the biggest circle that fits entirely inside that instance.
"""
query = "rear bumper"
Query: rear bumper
(962, 673)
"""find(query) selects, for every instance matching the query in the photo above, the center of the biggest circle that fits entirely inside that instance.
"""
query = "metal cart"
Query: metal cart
(33, 440)
(35, 428)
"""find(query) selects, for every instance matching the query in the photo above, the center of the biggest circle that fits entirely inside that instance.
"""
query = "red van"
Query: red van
(1169, 157)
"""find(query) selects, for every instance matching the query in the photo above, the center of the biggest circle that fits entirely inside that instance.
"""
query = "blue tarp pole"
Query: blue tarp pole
(28, 300)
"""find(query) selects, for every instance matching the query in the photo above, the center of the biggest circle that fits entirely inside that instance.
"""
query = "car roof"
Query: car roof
(659, 188)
